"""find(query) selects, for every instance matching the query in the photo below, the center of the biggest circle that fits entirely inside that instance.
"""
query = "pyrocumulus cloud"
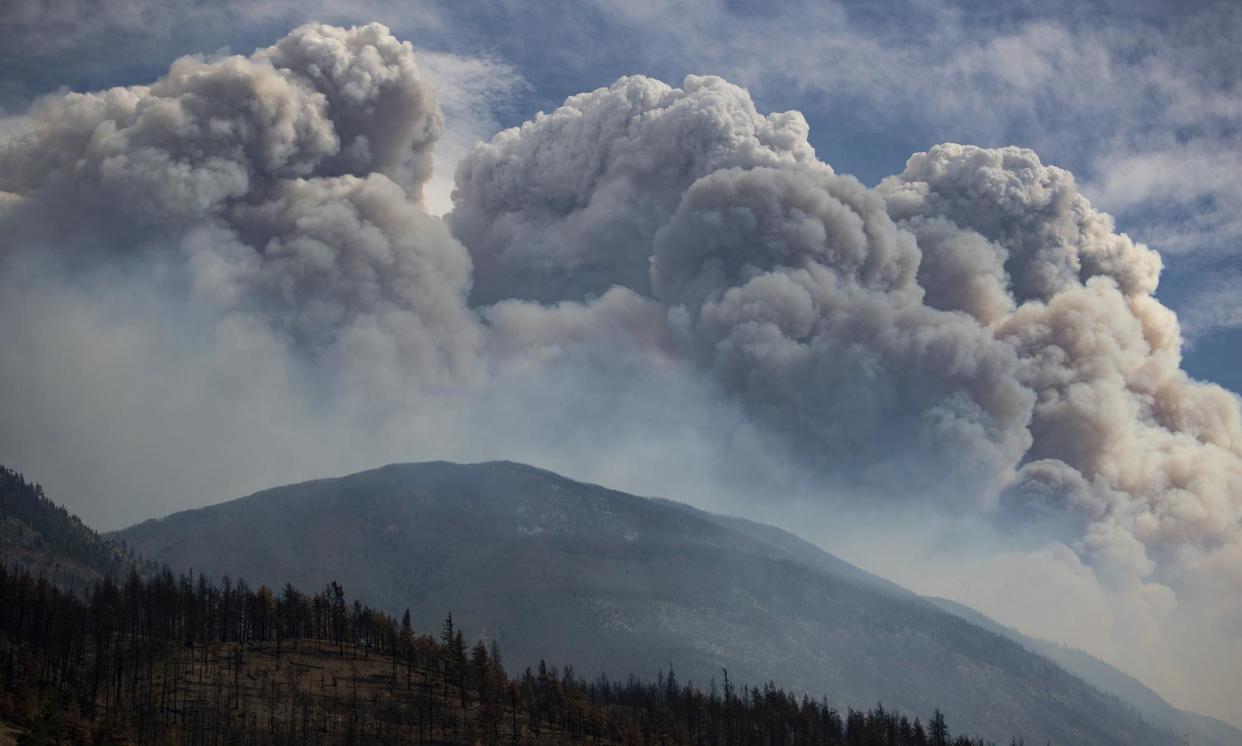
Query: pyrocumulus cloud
(971, 334)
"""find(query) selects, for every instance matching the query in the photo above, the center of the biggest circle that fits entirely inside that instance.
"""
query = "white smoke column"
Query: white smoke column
(1144, 462)
(1152, 455)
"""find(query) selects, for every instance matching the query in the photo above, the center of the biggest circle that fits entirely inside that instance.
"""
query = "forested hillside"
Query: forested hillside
(38, 535)
(620, 584)
(183, 660)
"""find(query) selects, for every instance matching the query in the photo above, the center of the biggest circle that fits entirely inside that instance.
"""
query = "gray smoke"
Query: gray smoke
(1045, 234)
(1149, 459)
(322, 102)
(652, 271)
(385, 116)
(794, 288)
(566, 206)
(971, 332)
(290, 181)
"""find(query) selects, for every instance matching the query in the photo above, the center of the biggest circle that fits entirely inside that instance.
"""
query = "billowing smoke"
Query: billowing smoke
(289, 180)
(321, 102)
(646, 273)
(794, 288)
(1148, 459)
(567, 205)
(971, 328)
(972, 332)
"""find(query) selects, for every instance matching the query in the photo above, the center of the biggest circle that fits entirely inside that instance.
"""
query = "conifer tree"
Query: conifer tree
(937, 731)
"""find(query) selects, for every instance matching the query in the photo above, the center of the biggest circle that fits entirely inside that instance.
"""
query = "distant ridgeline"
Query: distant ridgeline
(128, 654)
(38, 535)
(182, 660)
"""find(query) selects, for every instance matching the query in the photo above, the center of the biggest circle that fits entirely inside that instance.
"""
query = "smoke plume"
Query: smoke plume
(241, 247)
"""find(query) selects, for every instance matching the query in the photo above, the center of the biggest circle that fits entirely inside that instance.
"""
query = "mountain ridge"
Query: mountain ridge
(1108, 678)
(43, 538)
(610, 581)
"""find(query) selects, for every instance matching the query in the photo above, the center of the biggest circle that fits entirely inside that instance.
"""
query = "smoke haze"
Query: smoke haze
(232, 277)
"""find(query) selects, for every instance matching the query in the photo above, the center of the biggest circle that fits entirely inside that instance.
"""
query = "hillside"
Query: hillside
(621, 584)
(42, 537)
(183, 660)
(1201, 729)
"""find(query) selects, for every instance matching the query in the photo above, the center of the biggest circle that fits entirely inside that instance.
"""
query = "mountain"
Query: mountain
(1211, 729)
(153, 659)
(162, 659)
(1201, 729)
(611, 582)
(43, 538)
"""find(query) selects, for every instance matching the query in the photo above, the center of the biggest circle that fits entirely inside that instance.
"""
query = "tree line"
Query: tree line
(61, 534)
(171, 658)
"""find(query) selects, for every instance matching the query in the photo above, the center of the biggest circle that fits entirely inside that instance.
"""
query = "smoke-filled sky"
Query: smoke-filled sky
(952, 291)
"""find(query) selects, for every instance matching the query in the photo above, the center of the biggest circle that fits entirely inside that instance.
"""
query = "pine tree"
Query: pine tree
(446, 631)
(937, 731)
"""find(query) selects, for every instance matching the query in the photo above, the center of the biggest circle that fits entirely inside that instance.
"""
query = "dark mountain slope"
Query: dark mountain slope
(42, 537)
(612, 582)
(797, 549)
(1210, 728)
(173, 660)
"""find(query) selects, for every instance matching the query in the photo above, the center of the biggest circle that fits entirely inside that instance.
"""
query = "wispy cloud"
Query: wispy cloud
(474, 92)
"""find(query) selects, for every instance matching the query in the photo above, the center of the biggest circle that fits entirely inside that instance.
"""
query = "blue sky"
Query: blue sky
(1140, 100)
